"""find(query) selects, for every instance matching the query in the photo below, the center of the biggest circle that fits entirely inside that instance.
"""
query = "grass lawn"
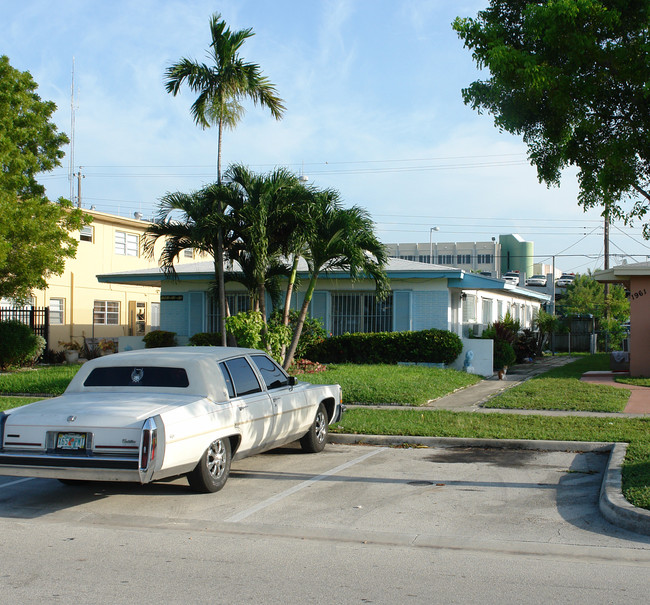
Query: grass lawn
(561, 389)
(51, 380)
(391, 384)
(14, 402)
(639, 382)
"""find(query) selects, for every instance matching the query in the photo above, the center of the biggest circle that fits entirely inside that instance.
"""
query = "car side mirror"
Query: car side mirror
(293, 381)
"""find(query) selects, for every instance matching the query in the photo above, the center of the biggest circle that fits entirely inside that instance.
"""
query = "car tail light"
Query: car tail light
(149, 442)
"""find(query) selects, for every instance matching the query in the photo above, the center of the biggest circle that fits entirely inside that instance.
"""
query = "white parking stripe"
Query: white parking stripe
(16, 482)
(240, 516)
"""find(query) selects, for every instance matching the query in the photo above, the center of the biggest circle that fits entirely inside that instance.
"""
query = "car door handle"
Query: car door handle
(242, 406)
(276, 399)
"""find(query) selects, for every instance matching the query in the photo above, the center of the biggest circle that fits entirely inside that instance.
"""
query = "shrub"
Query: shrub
(159, 338)
(18, 344)
(525, 345)
(312, 333)
(429, 346)
(504, 354)
(246, 327)
(205, 339)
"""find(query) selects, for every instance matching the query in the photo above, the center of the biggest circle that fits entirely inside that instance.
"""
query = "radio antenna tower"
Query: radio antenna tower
(71, 155)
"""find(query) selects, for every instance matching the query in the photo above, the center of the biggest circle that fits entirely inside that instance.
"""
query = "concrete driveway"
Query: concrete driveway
(342, 508)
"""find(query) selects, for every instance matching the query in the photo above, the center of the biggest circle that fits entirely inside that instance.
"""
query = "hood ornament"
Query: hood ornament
(71, 418)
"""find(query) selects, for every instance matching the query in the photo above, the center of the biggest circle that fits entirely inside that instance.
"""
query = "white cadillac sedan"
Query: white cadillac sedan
(146, 415)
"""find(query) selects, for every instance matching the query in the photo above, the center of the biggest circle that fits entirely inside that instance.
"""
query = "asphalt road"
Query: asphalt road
(355, 524)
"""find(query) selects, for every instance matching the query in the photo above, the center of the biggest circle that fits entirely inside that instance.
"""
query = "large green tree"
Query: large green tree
(221, 86)
(571, 77)
(34, 232)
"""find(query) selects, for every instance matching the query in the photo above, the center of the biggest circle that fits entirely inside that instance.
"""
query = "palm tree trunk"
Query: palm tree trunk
(301, 322)
(287, 299)
(221, 282)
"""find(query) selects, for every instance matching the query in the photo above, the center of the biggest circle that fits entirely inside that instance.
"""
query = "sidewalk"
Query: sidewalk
(471, 398)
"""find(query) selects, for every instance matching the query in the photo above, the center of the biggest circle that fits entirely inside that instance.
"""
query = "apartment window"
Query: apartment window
(499, 310)
(425, 258)
(106, 313)
(126, 244)
(361, 313)
(237, 303)
(484, 259)
(487, 311)
(86, 234)
(446, 259)
(407, 256)
(188, 253)
(57, 311)
(469, 309)
(464, 259)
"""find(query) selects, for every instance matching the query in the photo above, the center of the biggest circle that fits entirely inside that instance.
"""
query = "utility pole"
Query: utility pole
(79, 177)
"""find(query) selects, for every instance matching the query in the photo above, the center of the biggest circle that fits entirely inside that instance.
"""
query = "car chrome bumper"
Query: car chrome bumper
(24, 464)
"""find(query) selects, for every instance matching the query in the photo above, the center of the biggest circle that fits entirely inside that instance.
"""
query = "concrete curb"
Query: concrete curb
(613, 506)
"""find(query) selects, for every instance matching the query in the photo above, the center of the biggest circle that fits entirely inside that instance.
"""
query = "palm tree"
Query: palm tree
(260, 222)
(195, 220)
(221, 87)
(338, 238)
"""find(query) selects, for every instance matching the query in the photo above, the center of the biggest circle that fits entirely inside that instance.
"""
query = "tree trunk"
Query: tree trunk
(221, 282)
(221, 285)
(301, 321)
(287, 299)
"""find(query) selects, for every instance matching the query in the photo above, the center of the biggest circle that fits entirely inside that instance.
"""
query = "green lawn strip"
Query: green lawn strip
(442, 423)
(6, 403)
(388, 384)
(562, 389)
(52, 380)
(638, 382)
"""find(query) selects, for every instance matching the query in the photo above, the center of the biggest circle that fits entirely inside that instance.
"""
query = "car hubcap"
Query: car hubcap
(321, 427)
(216, 459)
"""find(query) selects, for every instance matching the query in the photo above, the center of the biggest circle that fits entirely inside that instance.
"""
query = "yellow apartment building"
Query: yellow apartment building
(81, 307)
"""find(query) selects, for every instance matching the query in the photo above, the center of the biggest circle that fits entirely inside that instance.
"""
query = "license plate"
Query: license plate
(71, 441)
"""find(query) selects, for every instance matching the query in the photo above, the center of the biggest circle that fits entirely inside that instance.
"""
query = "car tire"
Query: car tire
(316, 438)
(211, 473)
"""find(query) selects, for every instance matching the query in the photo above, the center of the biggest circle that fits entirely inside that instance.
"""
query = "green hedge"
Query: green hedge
(428, 346)
(19, 346)
(159, 338)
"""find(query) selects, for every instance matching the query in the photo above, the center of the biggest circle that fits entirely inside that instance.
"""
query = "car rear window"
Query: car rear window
(130, 376)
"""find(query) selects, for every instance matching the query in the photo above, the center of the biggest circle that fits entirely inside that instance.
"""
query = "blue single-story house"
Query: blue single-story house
(422, 296)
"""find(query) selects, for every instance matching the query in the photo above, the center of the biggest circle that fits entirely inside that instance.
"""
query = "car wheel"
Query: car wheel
(316, 438)
(211, 473)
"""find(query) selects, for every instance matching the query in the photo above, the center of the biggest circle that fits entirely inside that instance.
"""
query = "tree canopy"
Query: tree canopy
(34, 233)
(571, 77)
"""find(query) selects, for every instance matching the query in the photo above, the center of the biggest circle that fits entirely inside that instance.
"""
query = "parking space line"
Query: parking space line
(16, 482)
(292, 490)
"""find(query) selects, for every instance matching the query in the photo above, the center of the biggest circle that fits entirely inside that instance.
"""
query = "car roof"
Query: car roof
(169, 354)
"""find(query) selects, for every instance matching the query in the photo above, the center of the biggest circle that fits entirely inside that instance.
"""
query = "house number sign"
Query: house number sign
(637, 294)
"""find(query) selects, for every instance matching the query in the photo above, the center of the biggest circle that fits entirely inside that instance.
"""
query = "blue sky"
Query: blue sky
(374, 110)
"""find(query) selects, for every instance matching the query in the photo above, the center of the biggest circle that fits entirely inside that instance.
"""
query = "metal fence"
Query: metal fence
(38, 319)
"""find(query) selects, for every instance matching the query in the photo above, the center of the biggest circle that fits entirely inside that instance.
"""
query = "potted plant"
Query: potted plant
(107, 346)
(71, 351)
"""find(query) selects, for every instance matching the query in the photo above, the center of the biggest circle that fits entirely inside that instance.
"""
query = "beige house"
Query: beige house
(81, 307)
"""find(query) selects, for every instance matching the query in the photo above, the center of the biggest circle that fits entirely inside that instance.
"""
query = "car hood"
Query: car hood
(95, 409)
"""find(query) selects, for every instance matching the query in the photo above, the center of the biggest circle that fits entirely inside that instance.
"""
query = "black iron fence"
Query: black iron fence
(38, 319)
